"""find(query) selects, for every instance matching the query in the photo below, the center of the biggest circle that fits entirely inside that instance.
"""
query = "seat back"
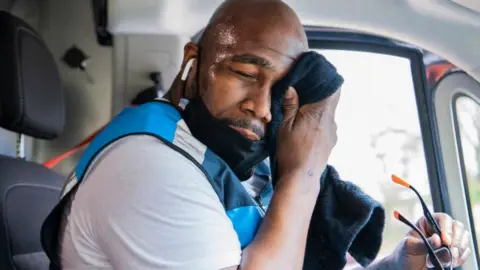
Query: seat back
(31, 103)
(5, 4)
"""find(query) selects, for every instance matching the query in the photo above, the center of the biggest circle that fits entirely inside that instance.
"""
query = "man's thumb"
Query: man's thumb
(415, 245)
(290, 108)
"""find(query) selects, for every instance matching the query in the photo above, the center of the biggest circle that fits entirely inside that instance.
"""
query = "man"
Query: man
(144, 202)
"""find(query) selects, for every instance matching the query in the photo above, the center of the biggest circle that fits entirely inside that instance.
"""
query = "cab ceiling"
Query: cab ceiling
(449, 28)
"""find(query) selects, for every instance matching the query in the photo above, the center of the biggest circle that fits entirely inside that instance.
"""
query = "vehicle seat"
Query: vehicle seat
(31, 103)
(5, 4)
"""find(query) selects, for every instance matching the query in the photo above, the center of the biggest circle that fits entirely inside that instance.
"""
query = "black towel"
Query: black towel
(314, 78)
(345, 219)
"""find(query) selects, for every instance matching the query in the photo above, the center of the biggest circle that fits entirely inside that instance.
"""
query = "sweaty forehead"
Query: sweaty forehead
(273, 38)
(274, 30)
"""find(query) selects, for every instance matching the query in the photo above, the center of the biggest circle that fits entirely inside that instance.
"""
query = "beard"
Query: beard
(239, 153)
(249, 124)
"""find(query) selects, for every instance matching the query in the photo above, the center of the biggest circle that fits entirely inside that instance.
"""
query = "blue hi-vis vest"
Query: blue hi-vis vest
(163, 121)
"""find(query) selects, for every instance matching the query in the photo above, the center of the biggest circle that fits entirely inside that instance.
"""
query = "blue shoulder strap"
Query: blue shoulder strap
(158, 119)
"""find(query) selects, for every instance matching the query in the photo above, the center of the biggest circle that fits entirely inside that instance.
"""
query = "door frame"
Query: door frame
(450, 87)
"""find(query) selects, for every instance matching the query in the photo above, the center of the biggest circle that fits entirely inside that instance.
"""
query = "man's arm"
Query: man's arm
(281, 239)
(305, 141)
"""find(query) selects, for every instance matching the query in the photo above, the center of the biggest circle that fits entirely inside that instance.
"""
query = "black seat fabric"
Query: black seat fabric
(30, 191)
(31, 95)
(5, 4)
(31, 103)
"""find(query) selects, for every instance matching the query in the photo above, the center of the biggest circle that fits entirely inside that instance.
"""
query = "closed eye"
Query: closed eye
(246, 75)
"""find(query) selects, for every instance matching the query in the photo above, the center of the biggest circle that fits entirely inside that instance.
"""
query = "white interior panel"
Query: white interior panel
(470, 4)
(433, 25)
(135, 56)
(88, 105)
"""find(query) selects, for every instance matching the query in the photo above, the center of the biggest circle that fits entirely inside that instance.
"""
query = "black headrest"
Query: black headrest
(31, 94)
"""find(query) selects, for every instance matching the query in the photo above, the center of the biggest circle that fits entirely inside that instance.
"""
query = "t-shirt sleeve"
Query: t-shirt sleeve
(158, 211)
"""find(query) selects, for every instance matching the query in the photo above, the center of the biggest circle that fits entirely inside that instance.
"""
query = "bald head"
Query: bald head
(246, 47)
(237, 20)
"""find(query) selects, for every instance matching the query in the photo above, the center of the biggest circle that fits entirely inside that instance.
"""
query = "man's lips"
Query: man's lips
(247, 133)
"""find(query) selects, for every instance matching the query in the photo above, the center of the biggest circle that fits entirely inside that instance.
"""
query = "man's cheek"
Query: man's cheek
(224, 96)
(226, 85)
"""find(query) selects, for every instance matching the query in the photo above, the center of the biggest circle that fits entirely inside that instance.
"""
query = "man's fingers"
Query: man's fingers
(446, 227)
(461, 248)
(455, 255)
(325, 106)
(415, 245)
(465, 242)
(458, 231)
(290, 108)
(336, 98)
(465, 255)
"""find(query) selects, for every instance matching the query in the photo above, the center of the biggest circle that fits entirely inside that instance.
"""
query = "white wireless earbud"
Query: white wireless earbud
(187, 68)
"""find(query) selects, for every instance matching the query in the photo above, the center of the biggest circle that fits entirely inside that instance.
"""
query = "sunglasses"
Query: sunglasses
(440, 258)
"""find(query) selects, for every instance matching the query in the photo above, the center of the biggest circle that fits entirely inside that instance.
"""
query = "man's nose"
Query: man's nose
(258, 104)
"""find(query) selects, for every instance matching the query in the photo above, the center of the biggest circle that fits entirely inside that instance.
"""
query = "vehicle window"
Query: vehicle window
(468, 117)
(379, 134)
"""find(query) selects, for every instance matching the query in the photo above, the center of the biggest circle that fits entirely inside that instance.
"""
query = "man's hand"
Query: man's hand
(305, 140)
(411, 253)
(307, 135)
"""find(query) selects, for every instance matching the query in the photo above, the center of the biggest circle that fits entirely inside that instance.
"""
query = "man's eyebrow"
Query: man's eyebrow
(248, 58)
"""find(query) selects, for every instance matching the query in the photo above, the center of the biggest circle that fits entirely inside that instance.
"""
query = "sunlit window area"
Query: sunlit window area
(379, 134)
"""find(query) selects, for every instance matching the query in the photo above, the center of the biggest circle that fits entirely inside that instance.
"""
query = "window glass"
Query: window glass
(379, 135)
(468, 116)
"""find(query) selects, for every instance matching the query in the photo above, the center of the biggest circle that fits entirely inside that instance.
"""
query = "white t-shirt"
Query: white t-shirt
(143, 205)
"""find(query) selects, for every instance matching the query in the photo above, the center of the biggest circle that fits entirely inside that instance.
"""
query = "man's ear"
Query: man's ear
(182, 88)
(188, 71)
(190, 51)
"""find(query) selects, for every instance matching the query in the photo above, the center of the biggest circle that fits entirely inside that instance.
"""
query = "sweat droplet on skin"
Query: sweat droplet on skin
(219, 57)
(226, 34)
